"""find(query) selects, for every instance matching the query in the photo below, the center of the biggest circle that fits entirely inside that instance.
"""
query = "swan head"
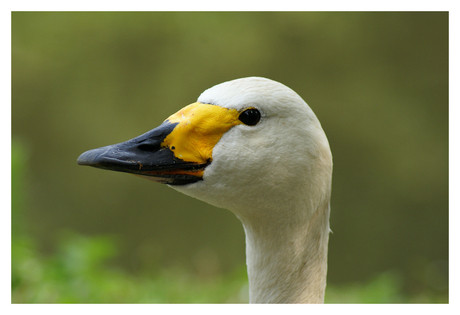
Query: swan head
(250, 145)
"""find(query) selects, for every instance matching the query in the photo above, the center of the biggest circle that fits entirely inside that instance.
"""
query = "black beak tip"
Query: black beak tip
(90, 157)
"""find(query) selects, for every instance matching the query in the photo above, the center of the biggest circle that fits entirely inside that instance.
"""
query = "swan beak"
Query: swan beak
(175, 153)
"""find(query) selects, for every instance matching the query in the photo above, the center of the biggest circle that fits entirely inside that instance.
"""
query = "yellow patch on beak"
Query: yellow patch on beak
(200, 127)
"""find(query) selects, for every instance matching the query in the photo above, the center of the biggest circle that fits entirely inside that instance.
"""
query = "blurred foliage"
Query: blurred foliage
(386, 287)
(378, 82)
(79, 272)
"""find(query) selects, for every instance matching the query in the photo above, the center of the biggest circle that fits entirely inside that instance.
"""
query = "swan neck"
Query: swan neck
(288, 263)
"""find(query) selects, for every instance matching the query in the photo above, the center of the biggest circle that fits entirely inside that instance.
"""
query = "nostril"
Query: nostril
(149, 147)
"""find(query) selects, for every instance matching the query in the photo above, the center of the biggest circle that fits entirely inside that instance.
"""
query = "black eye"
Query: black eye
(250, 117)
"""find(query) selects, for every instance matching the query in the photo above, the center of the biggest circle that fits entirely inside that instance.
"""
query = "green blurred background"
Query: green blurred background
(378, 82)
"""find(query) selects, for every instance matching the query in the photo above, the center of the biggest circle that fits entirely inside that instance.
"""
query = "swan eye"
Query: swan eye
(250, 117)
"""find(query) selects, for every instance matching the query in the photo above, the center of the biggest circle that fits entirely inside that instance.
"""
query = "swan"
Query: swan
(253, 146)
